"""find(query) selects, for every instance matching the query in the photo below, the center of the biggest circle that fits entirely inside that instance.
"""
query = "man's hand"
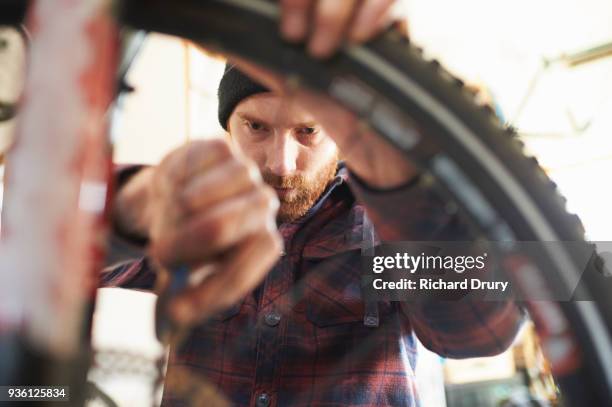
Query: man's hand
(376, 162)
(325, 24)
(206, 207)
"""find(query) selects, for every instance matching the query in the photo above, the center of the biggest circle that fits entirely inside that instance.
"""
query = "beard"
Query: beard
(301, 191)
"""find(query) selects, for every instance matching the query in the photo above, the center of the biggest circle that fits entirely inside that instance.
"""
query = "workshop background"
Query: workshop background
(529, 56)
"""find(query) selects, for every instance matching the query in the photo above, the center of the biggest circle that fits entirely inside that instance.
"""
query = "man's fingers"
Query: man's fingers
(218, 184)
(331, 18)
(191, 159)
(233, 279)
(372, 17)
(329, 22)
(209, 234)
(170, 176)
(294, 19)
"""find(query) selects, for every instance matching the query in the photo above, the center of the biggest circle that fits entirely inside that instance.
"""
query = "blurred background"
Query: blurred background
(532, 58)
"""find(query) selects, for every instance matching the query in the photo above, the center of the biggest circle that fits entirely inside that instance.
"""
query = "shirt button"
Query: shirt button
(272, 318)
(263, 400)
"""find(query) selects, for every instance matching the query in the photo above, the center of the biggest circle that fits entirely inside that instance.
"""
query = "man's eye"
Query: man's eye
(255, 126)
(306, 131)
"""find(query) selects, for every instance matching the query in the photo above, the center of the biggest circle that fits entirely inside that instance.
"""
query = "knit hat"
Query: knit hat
(233, 88)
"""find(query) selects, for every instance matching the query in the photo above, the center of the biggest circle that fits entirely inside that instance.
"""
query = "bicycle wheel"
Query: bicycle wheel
(470, 156)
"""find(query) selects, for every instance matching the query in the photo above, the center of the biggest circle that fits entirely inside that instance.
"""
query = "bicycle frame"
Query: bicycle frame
(55, 212)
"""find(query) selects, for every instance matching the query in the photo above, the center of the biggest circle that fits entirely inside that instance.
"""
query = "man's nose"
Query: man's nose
(282, 159)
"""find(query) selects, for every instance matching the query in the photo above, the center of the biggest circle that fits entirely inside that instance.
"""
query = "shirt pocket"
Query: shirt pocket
(324, 311)
(332, 293)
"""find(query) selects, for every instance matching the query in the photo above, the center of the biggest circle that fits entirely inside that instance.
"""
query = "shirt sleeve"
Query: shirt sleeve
(121, 247)
(125, 264)
(465, 328)
(457, 329)
(412, 211)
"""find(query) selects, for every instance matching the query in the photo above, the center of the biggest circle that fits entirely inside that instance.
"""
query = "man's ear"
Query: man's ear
(228, 132)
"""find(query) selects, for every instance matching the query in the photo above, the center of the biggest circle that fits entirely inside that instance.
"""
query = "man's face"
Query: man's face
(293, 153)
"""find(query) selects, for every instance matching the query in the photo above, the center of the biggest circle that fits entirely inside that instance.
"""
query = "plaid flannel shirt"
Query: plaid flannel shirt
(306, 337)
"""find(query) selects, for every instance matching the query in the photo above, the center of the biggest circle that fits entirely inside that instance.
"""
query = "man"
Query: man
(272, 227)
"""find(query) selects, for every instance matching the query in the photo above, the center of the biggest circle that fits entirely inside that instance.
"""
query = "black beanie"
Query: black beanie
(233, 88)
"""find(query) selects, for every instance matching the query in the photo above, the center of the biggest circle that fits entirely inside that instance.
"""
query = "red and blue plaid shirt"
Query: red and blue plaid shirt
(306, 337)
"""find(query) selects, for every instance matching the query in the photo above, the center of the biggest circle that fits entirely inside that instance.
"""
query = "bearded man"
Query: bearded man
(274, 225)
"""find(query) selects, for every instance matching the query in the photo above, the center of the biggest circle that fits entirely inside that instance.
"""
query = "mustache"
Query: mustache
(284, 181)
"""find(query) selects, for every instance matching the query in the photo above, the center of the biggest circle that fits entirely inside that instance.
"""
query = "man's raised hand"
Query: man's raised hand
(206, 206)
(325, 24)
